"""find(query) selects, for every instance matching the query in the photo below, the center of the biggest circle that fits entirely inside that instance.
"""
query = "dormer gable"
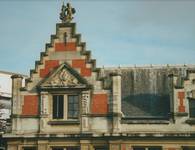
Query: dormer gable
(63, 77)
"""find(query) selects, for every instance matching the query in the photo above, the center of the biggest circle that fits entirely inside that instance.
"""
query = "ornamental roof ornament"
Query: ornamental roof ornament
(67, 12)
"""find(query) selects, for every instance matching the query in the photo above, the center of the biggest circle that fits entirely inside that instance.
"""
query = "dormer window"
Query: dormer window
(65, 106)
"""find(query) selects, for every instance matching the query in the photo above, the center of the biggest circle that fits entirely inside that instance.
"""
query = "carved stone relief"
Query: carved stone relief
(44, 103)
(63, 78)
(85, 102)
(85, 110)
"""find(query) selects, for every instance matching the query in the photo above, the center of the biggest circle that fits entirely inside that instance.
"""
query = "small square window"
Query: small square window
(192, 108)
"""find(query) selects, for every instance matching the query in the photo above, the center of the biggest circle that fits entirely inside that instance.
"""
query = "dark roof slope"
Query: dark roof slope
(146, 91)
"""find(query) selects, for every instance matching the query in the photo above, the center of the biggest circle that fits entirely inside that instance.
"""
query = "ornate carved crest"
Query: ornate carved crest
(67, 12)
(64, 77)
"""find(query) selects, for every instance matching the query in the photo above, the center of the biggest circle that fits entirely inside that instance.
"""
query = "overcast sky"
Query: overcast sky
(118, 32)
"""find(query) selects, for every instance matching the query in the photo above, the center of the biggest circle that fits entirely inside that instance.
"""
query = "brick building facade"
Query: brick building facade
(70, 104)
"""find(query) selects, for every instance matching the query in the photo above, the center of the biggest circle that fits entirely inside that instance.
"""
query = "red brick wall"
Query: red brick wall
(49, 65)
(30, 106)
(85, 72)
(70, 46)
(78, 63)
(181, 96)
(100, 104)
(81, 63)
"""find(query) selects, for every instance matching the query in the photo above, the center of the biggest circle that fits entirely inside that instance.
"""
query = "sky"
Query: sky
(118, 32)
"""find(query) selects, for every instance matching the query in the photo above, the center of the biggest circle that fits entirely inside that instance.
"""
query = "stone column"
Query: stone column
(116, 101)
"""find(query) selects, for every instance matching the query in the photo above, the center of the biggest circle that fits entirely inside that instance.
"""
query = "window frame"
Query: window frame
(66, 147)
(65, 104)
(29, 148)
(58, 115)
(72, 109)
(147, 147)
(191, 113)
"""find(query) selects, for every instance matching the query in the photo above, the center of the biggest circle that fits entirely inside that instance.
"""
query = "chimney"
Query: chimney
(16, 85)
(116, 101)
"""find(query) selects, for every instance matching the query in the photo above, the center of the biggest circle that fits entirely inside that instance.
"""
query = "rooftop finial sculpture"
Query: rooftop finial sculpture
(67, 12)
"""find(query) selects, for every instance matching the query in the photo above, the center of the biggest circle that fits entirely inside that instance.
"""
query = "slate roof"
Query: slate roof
(146, 91)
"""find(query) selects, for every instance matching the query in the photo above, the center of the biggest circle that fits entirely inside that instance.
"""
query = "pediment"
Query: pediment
(64, 77)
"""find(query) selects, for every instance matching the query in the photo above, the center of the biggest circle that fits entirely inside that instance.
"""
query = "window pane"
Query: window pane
(192, 108)
(66, 148)
(58, 106)
(188, 148)
(73, 106)
(72, 148)
(148, 148)
(154, 148)
(138, 148)
(101, 148)
(57, 148)
(29, 148)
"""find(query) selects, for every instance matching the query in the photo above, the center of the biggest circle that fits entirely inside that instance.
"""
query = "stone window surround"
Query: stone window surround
(147, 147)
(190, 120)
(65, 120)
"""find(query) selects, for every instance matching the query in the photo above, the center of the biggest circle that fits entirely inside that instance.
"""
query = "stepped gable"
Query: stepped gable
(65, 51)
(147, 85)
(65, 47)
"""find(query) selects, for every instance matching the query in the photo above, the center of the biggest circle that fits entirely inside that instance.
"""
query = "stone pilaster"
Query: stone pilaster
(85, 102)
(44, 104)
(44, 110)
